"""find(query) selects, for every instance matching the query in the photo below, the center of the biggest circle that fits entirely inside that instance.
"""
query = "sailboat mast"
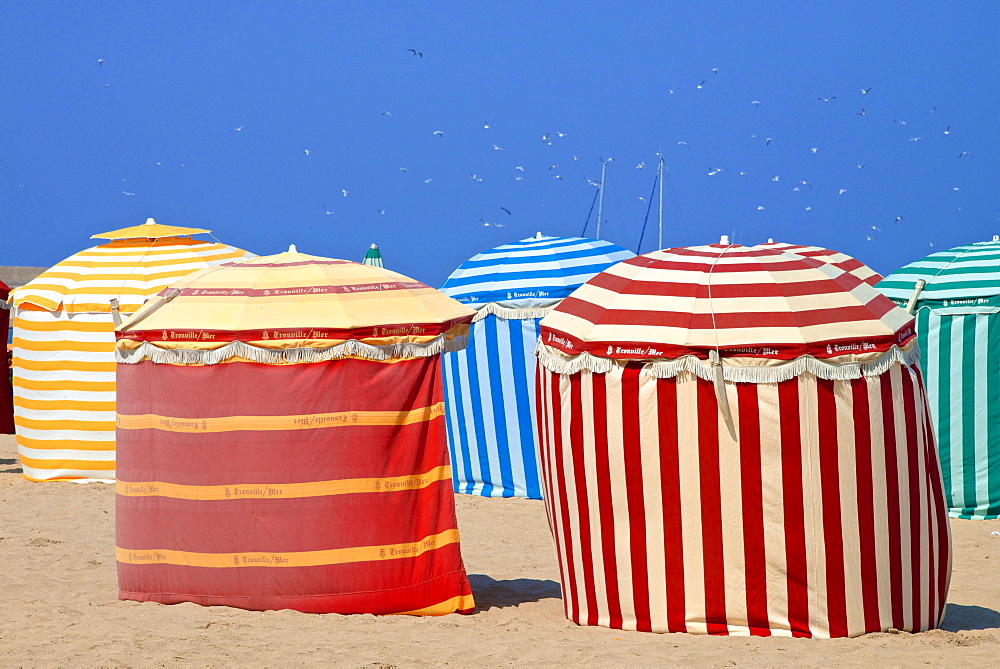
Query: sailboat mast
(660, 239)
(600, 201)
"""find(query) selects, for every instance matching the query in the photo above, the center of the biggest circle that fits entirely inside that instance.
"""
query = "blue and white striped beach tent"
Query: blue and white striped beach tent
(490, 385)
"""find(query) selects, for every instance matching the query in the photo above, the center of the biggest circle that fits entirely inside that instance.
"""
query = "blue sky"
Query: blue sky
(88, 147)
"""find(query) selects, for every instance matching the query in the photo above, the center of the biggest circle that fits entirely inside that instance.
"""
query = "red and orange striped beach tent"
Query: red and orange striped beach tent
(736, 441)
(64, 343)
(281, 441)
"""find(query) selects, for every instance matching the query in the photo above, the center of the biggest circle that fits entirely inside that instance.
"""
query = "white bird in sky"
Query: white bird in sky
(947, 130)
(381, 212)
(809, 208)
(343, 192)
(860, 166)
(592, 182)
(864, 91)
(767, 141)
(814, 149)
(870, 238)
(715, 70)
(497, 148)
(389, 114)
(963, 154)
(842, 191)
(876, 229)
(560, 134)
(556, 176)
(915, 139)
(755, 103)
(427, 181)
(438, 133)
(760, 208)
(305, 151)
(100, 62)
(899, 122)
(519, 168)
(897, 219)
(701, 85)
(518, 178)
(861, 113)
(577, 158)
(125, 192)
(486, 125)
(640, 165)
(402, 169)
(832, 97)
(776, 178)
(239, 129)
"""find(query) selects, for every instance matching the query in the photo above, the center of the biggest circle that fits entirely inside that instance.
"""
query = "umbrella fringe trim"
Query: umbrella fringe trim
(237, 349)
(665, 369)
(510, 314)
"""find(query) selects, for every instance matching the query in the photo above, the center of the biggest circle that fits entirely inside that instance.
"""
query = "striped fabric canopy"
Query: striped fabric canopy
(373, 257)
(316, 481)
(293, 307)
(965, 276)
(490, 384)
(958, 327)
(790, 487)
(835, 258)
(64, 346)
(758, 309)
(532, 273)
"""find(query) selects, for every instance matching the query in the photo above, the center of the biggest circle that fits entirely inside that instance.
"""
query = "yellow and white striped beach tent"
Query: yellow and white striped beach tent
(64, 343)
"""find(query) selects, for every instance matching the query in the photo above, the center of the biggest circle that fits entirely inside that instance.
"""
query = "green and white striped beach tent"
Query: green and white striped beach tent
(958, 327)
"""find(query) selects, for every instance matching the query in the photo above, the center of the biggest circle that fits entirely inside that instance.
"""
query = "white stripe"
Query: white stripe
(619, 499)
(691, 498)
(57, 435)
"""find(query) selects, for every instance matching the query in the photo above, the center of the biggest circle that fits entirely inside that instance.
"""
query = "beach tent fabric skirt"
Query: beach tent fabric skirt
(825, 519)
(64, 394)
(490, 393)
(6, 392)
(962, 369)
(321, 487)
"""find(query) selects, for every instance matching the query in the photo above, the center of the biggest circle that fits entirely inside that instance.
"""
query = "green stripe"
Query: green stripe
(966, 380)
(938, 346)
(990, 361)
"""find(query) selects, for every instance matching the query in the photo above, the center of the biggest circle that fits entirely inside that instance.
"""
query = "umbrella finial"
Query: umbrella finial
(724, 240)
(996, 238)
(770, 240)
(373, 246)
(538, 235)
(292, 249)
(150, 221)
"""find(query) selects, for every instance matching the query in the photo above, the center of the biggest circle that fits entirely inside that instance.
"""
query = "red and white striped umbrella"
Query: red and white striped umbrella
(757, 309)
(736, 441)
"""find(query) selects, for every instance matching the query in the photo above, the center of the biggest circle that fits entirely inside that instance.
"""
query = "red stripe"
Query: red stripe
(755, 560)
(342, 289)
(564, 551)
(392, 586)
(596, 313)
(940, 565)
(634, 485)
(792, 477)
(305, 332)
(644, 350)
(917, 580)
(541, 414)
(582, 495)
(604, 502)
(628, 286)
(248, 389)
(866, 504)
(670, 489)
(572, 594)
(711, 509)
(833, 532)
(892, 510)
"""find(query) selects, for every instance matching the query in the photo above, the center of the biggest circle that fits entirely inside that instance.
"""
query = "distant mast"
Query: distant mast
(659, 240)
(600, 201)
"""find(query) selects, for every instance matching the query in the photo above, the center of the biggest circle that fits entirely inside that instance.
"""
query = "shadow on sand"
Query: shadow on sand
(493, 594)
(959, 617)
(12, 470)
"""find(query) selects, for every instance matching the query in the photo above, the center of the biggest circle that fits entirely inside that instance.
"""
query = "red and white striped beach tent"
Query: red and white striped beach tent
(736, 441)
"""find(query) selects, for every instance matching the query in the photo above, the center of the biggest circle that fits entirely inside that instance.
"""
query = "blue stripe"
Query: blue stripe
(459, 447)
(494, 360)
(503, 260)
(523, 362)
(509, 279)
(476, 400)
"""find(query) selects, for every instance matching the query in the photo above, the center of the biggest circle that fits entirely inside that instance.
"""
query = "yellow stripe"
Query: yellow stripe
(64, 325)
(63, 345)
(63, 366)
(282, 490)
(102, 290)
(99, 262)
(63, 405)
(261, 423)
(81, 425)
(297, 559)
(65, 444)
(85, 465)
(85, 386)
(456, 603)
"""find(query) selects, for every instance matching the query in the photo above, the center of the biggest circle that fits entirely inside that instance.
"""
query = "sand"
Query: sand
(59, 605)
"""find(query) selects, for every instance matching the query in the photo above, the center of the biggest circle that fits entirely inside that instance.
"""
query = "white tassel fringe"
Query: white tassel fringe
(268, 356)
(665, 369)
(510, 314)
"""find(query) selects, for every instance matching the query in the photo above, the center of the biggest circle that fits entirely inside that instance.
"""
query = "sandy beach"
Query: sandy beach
(59, 604)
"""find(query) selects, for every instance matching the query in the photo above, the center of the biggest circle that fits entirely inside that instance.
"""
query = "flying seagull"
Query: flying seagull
(832, 97)
(239, 129)
(862, 112)
(864, 91)
(389, 114)
(438, 133)
(100, 62)
(416, 53)
(701, 85)
(507, 210)
(343, 192)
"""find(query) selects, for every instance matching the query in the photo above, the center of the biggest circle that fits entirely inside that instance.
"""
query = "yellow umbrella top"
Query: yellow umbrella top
(149, 230)
(293, 307)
